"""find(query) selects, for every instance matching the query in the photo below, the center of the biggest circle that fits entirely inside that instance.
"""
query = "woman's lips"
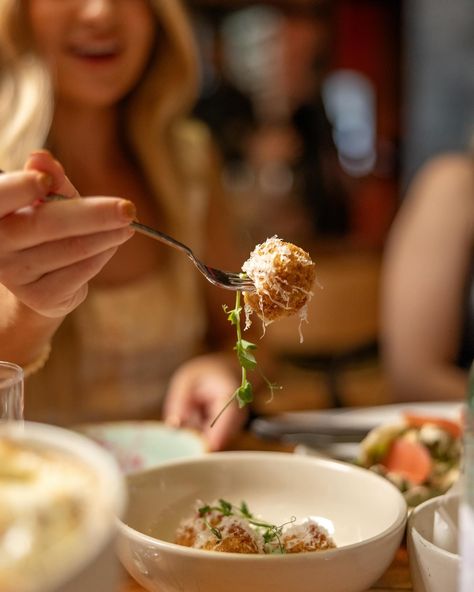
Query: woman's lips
(97, 59)
(96, 53)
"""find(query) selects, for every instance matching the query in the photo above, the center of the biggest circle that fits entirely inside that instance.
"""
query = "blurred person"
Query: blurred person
(227, 111)
(325, 187)
(428, 289)
(106, 86)
(307, 53)
(292, 151)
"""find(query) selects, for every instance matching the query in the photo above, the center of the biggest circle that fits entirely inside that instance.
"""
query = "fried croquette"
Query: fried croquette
(239, 531)
(306, 537)
(283, 275)
(233, 535)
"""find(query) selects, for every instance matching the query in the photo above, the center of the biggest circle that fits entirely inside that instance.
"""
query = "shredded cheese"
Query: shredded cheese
(283, 275)
(215, 531)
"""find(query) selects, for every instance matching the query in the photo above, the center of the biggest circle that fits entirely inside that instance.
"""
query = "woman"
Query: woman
(428, 289)
(105, 85)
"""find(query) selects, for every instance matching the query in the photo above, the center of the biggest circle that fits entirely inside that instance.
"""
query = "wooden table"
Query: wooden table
(396, 578)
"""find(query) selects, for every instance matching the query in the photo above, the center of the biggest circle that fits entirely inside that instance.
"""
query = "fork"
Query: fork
(218, 277)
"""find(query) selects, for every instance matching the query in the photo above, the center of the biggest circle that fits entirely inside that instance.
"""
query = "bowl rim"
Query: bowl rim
(411, 529)
(398, 523)
(142, 424)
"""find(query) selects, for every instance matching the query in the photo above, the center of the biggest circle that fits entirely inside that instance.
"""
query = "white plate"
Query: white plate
(353, 419)
(370, 417)
(337, 432)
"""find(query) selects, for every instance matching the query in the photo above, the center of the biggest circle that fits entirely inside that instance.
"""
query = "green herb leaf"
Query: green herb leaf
(270, 532)
(244, 510)
(244, 394)
(233, 315)
(246, 358)
(246, 345)
(225, 507)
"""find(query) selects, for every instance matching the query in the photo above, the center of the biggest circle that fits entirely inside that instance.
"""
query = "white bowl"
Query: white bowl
(432, 568)
(366, 513)
(95, 567)
(138, 445)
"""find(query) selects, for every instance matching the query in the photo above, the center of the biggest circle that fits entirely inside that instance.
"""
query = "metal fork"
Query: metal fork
(223, 279)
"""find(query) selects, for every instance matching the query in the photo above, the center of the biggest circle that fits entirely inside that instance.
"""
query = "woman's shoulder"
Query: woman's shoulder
(453, 167)
(439, 201)
(443, 181)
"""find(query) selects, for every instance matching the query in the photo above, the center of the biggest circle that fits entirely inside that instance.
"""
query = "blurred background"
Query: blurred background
(323, 110)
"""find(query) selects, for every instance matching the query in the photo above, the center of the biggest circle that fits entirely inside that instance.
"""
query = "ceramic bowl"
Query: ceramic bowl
(432, 568)
(90, 563)
(364, 511)
(138, 445)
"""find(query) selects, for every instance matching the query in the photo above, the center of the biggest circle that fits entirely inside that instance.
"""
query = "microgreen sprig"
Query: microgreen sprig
(245, 354)
(270, 531)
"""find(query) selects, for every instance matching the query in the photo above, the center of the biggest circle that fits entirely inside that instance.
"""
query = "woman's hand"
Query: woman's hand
(197, 392)
(49, 251)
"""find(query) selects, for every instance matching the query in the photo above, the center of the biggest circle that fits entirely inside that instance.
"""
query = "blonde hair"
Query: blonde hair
(152, 113)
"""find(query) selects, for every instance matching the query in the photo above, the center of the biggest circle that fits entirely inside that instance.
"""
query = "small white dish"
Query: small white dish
(432, 568)
(138, 445)
(364, 513)
(90, 564)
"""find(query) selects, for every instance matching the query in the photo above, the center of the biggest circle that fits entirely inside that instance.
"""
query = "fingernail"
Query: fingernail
(45, 181)
(42, 151)
(128, 210)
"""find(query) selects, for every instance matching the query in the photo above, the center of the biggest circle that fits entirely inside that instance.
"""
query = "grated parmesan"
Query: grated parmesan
(283, 275)
(236, 534)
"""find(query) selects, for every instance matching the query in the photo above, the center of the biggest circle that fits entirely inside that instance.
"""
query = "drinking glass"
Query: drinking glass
(11, 391)
(466, 514)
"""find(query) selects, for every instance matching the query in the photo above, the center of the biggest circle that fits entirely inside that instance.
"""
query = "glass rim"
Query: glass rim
(15, 375)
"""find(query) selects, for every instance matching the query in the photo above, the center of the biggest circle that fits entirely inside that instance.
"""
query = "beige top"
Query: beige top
(107, 365)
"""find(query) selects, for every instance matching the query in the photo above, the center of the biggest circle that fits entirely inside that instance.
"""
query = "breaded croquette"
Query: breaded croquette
(283, 275)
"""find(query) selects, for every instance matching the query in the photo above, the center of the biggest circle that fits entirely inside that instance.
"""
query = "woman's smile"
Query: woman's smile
(96, 51)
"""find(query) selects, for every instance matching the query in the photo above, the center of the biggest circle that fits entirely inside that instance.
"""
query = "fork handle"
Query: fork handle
(160, 236)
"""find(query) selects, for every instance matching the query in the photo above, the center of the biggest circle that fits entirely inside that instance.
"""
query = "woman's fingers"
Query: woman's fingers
(50, 251)
(43, 161)
(57, 293)
(197, 392)
(20, 189)
(29, 265)
(226, 427)
(62, 219)
(42, 174)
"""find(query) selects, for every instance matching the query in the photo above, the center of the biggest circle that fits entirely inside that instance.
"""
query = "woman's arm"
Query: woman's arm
(426, 267)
